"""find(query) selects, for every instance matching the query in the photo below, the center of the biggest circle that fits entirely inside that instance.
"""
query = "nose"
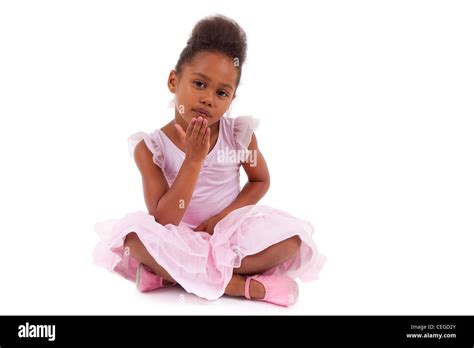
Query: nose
(206, 99)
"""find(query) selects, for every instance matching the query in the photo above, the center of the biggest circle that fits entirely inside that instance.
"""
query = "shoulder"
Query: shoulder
(247, 121)
(142, 150)
(243, 128)
(146, 146)
(143, 156)
(240, 122)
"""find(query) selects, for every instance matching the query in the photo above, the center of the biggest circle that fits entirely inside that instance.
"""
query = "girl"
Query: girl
(201, 231)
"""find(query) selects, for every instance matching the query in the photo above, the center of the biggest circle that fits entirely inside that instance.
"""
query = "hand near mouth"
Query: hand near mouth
(196, 139)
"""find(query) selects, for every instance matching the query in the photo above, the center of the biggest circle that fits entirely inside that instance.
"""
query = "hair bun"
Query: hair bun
(216, 33)
(221, 34)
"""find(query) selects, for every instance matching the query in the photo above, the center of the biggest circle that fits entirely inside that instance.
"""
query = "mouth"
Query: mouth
(203, 113)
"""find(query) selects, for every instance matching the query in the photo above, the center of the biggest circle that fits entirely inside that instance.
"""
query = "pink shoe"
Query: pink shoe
(127, 267)
(279, 290)
(147, 280)
(131, 269)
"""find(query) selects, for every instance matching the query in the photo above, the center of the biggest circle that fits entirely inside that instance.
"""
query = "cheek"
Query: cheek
(183, 96)
(225, 104)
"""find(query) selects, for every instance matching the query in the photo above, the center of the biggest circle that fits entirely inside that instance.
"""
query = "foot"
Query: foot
(147, 280)
(279, 290)
(167, 282)
(257, 290)
(127, 267)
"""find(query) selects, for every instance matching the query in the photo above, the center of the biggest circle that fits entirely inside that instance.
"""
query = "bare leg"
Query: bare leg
(270, 257)
(259, 263)
(252, 264)
(138, 251)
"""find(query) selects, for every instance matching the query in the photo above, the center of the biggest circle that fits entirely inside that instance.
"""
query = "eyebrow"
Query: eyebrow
(207, 78)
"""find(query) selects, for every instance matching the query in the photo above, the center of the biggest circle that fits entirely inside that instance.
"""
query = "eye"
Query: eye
(199, 84)
(222, 93)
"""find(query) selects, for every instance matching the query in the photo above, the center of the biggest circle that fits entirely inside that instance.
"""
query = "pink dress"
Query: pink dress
(203, 264)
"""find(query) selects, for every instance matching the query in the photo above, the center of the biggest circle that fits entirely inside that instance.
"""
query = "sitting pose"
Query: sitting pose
(201, 230)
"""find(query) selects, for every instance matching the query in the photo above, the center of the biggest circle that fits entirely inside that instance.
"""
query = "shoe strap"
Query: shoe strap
(247, 288)
(138, 274)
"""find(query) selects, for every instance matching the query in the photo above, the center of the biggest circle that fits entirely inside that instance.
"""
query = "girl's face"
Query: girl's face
(205, 87)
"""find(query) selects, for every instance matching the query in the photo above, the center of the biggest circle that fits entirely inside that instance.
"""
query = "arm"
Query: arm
(168, 204)
(258, 180)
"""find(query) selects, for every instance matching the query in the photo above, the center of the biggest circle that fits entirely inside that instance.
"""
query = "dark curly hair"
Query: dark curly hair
(218, 34)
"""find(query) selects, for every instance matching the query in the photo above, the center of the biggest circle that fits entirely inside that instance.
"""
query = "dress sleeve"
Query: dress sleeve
(152, 141)
(243, 130)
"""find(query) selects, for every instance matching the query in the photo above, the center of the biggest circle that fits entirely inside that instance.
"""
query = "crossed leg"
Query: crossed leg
(259, 263)
(252, 264)
(269, 257)
(138, 251)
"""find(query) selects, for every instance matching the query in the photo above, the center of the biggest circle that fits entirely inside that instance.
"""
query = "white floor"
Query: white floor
(399, 280)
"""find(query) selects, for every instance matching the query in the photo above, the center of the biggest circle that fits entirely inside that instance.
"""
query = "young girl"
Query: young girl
(201, 231)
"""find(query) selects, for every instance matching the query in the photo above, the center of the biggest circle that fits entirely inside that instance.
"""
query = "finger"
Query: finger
(207, 136)
(191, 126)
(197, 127)
(203, 130)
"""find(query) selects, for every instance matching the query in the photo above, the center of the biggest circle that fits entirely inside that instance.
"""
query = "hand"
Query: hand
(208, 225)
(196, 139)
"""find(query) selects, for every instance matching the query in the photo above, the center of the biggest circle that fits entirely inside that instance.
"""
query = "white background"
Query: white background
(366, 112)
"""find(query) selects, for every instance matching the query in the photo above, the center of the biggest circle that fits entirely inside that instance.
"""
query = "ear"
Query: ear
(173, 81)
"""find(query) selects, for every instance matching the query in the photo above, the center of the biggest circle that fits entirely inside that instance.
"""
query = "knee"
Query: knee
(131, 239)
(293, 244)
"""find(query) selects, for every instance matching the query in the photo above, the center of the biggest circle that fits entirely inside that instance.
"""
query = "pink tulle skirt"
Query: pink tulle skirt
(203, 264)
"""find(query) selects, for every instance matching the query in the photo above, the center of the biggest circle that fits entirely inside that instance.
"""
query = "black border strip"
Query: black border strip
(240, 330)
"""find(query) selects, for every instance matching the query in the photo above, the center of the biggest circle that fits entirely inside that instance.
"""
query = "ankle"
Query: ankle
(236, 286)
(167, 282)
(257, 290)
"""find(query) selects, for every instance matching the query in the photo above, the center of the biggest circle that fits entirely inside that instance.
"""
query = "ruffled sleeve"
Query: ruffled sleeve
(244, 127)
(152, 141)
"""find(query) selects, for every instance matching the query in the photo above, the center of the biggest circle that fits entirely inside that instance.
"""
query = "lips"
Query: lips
(202, 112)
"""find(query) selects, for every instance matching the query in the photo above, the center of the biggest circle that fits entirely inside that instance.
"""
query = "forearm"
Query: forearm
(173, 204)
(250, 194)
